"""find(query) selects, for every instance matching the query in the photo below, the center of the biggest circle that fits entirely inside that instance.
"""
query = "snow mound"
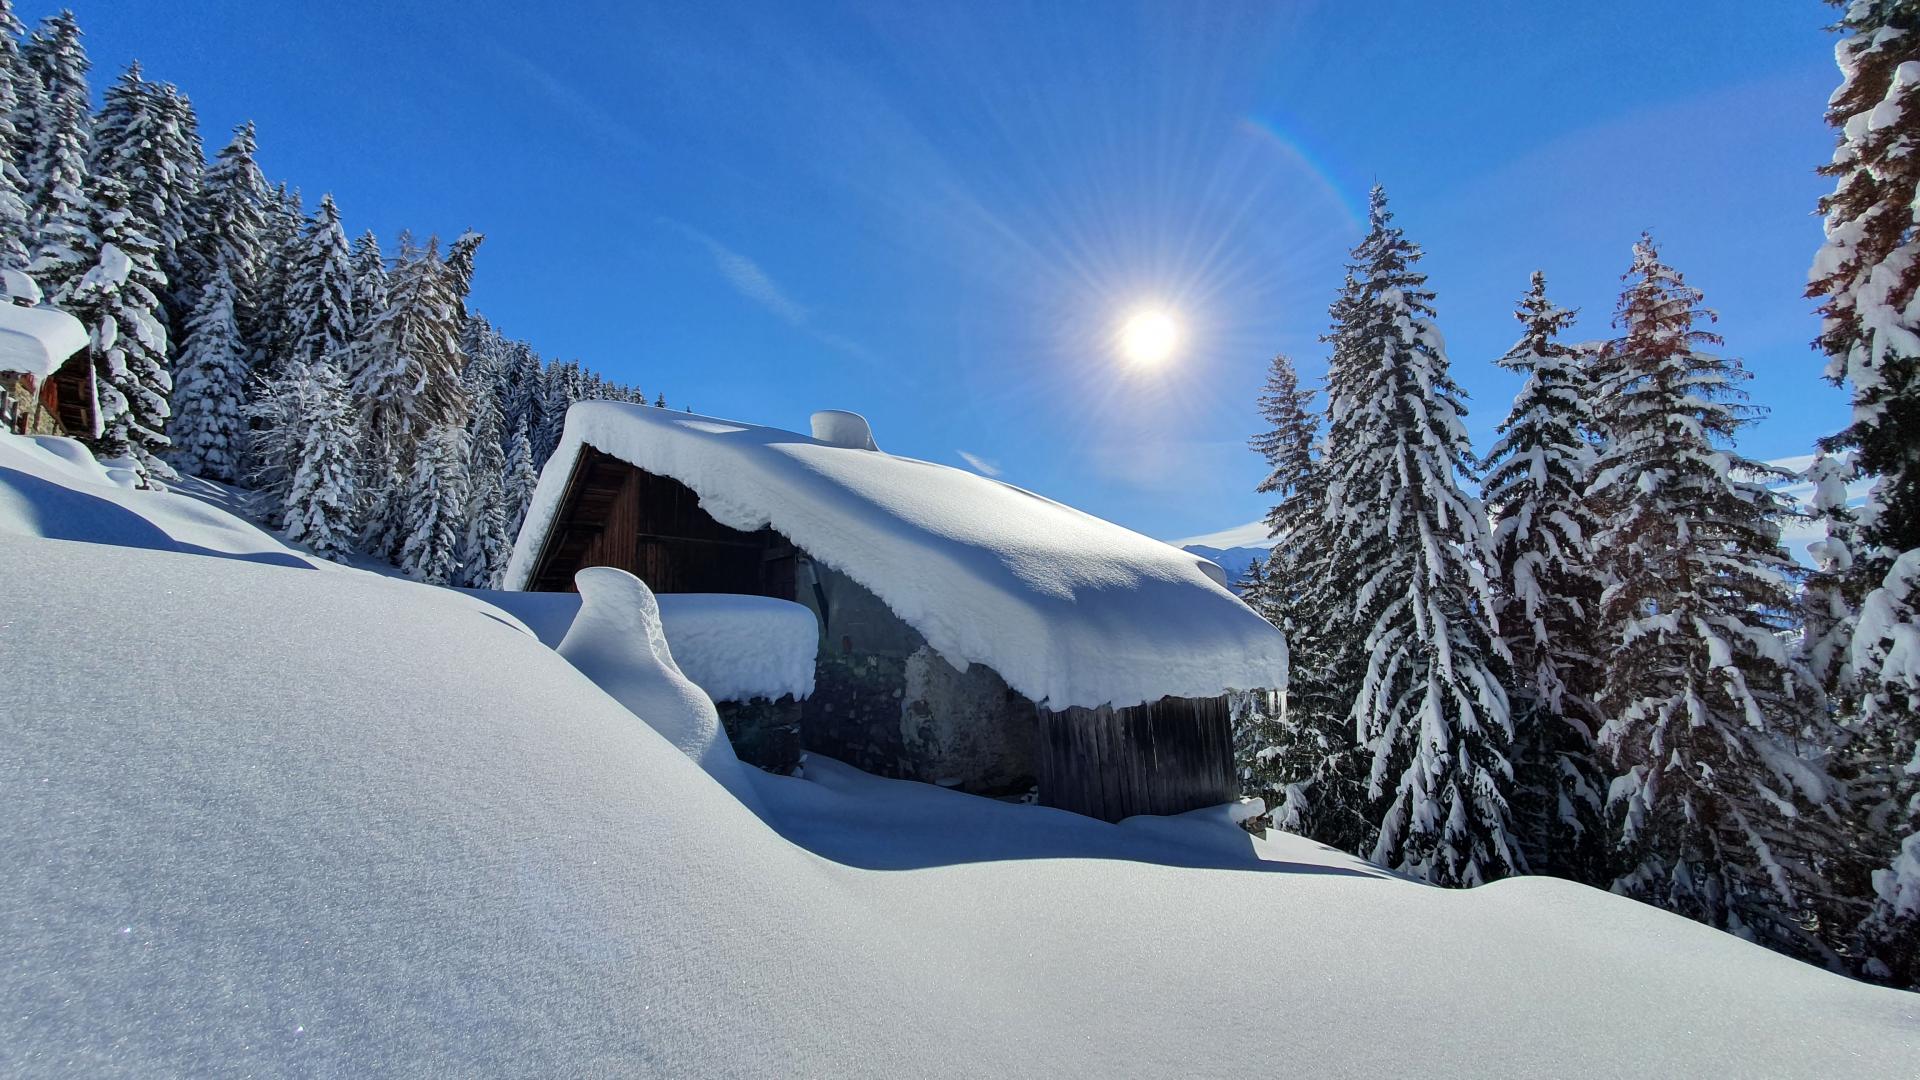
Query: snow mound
(738, 648)
(617, 641)
(53, 488)
(1067, 608)
(734, 647)
(395, 835)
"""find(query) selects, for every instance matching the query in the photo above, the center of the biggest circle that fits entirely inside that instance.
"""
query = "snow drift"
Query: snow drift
(271, 818)
(1067, 608)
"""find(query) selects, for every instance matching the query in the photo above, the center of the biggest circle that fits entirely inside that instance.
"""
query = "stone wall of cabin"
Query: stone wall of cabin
(21, 405)
(885, 702)
(764, 733)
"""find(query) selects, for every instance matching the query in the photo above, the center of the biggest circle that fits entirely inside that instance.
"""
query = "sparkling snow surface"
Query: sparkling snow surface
(272, 818)
(1069, 609)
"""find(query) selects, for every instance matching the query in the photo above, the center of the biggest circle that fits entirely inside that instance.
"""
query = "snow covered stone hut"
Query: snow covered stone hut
(46, 377)
(972, 634)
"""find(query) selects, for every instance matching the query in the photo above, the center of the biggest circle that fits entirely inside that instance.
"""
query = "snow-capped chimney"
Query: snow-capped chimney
(838, 428)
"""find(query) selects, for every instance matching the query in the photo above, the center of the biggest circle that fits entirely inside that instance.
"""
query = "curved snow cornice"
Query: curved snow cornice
(1068, 609)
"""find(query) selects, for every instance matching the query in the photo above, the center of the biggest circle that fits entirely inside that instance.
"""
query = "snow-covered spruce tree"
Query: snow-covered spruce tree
(1719, 802)
(207, 428)
(435, 505)
(1827, 599)
(230, 222)
(275, 406)
(460, 268)
(322, 499)
(369, 277)
(16, 239)
(518, 483)
(1887, 645)
(410, 380)
(1867, 276)
(136, 140)
(1311, 767)
(1256, 722)
(1408, 555)
(556, 397)
(408, 383)
(1546, 593)
(181, 148)
(521, 389)
(60, 119)
(485, 542)
(320, 302)
(276, 318)
(118, 299)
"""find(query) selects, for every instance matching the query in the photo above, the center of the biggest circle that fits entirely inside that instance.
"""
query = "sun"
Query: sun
(1149, 337)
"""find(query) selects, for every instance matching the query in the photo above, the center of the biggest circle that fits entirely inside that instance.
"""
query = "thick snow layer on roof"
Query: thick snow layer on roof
(38, 340)
(1067, 608)
(276, 820)
(734, 647)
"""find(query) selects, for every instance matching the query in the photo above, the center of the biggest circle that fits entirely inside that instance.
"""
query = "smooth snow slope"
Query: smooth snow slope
(1069, 609)
(52, 487)
(281, 821)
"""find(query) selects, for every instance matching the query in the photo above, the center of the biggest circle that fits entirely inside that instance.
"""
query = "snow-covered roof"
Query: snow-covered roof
(37, 340)
(1068, 609)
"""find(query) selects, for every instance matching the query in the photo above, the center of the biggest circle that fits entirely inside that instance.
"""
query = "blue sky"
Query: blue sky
(938, 214)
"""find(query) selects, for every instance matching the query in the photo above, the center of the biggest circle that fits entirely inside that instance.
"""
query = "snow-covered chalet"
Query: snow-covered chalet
(46, 376)
(972, 634)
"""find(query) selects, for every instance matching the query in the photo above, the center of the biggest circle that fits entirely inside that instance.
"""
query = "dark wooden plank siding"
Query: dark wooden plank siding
(613, 514)
(1166, 757)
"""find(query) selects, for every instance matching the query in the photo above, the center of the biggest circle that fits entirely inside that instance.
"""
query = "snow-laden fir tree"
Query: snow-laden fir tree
(410, 378)
(274, 406)
(1867, 276)
(180, 147)
(320, 305)
(1887, 645)
(59, 123)
(520, 392)
(1257, 735)
(207, 427)
(1546, 592)
(1310, 768)
(1719, 801)
(485, 543)
(16, 239)
(136, 140)
(1409, 554)
(118, 299)
(276, 316)
(435, 505)
(407, 384)
(230, 222)
(369, 277)
(1827, 598)
(459, 262)
(322, 499)
(519, 480)
(556, 397)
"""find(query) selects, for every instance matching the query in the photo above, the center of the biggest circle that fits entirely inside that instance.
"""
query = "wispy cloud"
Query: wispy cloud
(980, 465)
(752, 282)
